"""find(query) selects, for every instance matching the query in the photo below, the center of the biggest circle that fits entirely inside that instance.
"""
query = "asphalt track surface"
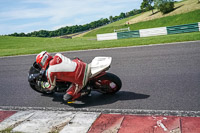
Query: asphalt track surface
(158, 77)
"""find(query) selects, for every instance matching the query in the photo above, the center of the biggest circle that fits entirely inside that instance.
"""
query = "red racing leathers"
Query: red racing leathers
(63, 69)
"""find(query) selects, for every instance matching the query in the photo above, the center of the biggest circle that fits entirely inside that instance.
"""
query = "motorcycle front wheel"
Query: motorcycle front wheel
(108, 84)
(33, 83)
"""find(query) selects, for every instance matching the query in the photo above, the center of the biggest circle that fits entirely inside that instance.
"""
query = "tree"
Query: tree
(15, 34)
(111, 19)
(146, 5)
(22, 34)
(122, 15)
(165, 6)
(116, 18)
(127, 14)
(105, 21)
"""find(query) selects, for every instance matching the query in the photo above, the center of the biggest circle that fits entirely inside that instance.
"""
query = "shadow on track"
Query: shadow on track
(100, 99)
(103, 99)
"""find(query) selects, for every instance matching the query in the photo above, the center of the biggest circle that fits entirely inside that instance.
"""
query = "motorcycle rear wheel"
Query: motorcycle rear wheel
(108, 84)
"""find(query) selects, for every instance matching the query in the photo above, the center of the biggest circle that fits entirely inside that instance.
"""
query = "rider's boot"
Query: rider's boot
(70, 95)
(67, 97)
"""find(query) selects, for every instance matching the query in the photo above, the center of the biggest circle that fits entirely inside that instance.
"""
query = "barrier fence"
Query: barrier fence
(194, 27)
(183, 28)
(128, 34)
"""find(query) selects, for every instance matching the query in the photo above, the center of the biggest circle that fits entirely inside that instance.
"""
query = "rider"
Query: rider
(62, 68)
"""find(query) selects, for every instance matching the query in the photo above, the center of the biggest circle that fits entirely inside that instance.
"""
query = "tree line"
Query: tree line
(78, 28)
(164, 6)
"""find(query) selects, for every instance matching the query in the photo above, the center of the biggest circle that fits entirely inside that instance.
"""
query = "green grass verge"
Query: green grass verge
(185, 18)
(29, 45)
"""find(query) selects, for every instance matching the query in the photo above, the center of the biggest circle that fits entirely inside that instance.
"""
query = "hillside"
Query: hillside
(180, 8)
(185, 12)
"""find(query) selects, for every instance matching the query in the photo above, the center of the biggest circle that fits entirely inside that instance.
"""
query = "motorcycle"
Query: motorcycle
(100, 80)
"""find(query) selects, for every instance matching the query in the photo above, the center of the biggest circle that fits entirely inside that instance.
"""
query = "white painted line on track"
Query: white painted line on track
(149, 45)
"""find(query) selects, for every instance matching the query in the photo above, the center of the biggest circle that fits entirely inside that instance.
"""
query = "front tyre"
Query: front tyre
(33, 83)
(108, 84)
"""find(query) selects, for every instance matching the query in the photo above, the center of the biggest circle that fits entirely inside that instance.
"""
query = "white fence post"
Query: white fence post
(153, 32)
(107, 36)
(199, 26)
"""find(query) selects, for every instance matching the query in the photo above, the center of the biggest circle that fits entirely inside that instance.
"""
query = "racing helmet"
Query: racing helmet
(43, 58)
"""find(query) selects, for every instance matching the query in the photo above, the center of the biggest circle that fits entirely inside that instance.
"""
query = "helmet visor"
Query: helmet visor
(43, 61)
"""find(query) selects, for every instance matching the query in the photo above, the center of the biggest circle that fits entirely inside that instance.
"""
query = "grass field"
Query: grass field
(32, 45)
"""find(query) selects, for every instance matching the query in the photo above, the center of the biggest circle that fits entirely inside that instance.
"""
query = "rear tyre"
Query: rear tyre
(108, 84)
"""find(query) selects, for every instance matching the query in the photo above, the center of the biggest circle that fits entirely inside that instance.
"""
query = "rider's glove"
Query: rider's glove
(43, 85)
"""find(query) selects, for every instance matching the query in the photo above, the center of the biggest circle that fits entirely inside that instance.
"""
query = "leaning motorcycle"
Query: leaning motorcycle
(100, 80)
